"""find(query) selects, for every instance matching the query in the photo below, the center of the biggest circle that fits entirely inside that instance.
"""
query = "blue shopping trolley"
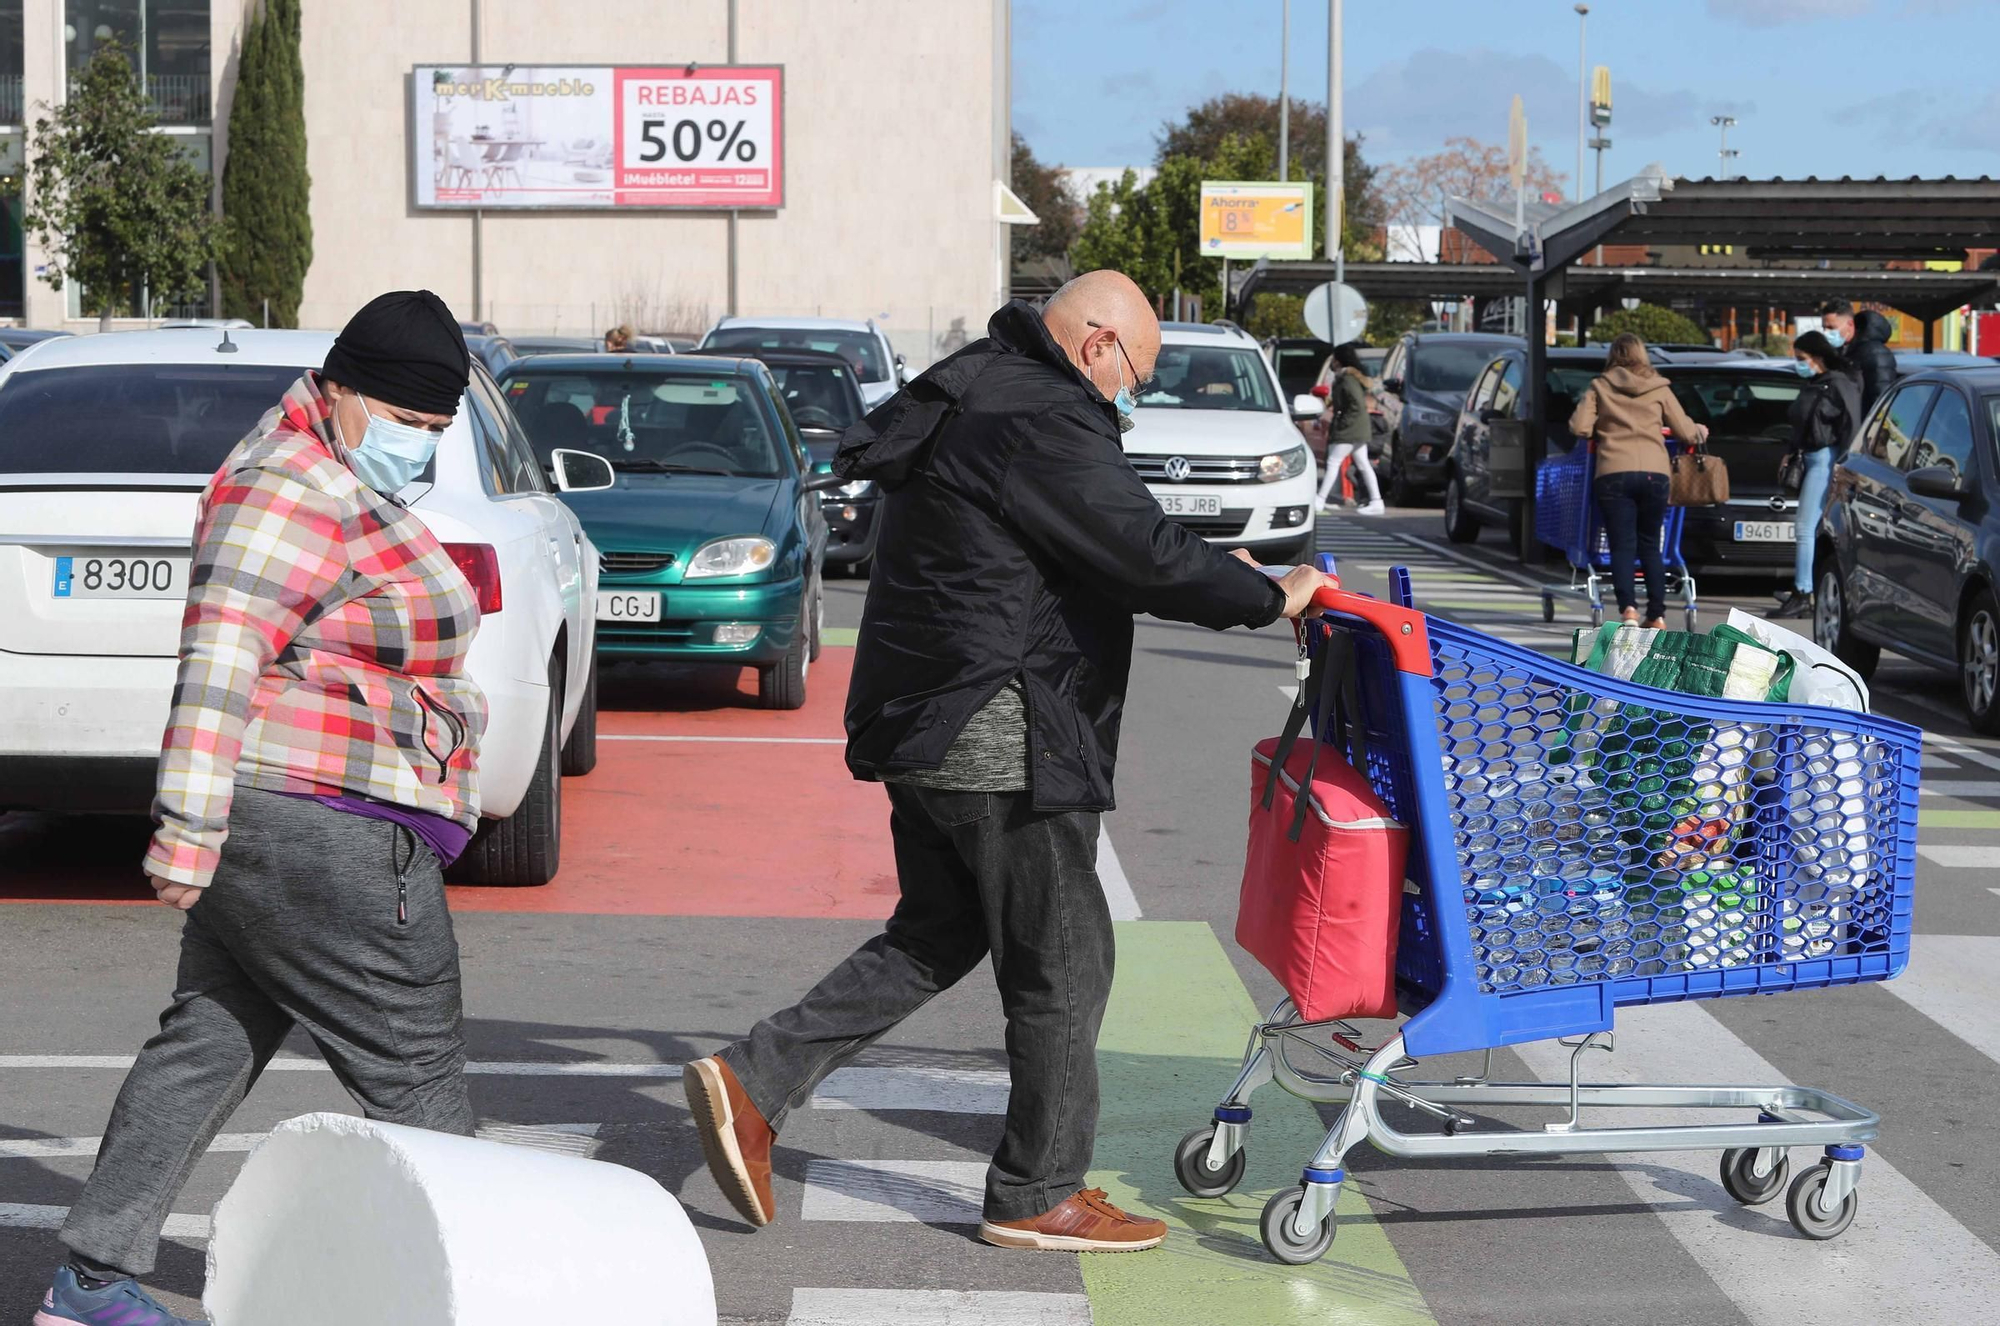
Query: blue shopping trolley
(1581, 844)
(1567, 518)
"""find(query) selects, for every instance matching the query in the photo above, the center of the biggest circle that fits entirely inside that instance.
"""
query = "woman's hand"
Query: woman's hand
(178, 896)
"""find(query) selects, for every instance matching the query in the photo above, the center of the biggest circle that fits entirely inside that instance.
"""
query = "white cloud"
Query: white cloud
(1773, 13)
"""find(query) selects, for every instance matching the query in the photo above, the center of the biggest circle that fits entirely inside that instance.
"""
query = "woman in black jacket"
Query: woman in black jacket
(1823, 415)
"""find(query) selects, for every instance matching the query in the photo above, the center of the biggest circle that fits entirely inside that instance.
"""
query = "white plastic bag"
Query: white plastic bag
(1817, 676)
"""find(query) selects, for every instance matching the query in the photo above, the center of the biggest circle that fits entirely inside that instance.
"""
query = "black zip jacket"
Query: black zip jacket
(1016, 541)
(1869, 356)
(1826, 411)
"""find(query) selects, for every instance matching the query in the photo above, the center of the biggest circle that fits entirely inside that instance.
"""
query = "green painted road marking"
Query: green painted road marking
(1958, 819)
(1527, 609)
(1172, 1041)
(840, 635)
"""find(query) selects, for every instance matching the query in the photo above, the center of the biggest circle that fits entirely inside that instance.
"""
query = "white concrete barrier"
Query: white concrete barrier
(336, 1220)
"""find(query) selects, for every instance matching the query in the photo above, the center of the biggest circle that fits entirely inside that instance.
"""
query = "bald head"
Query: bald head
(1105, 325)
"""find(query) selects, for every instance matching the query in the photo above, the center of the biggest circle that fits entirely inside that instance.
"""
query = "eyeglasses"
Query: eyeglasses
(1139, 387)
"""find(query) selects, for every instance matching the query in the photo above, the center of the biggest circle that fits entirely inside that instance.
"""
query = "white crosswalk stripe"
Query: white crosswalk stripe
(942, 1192)
(944, 1090)
(935, 1307)
(1955, 856)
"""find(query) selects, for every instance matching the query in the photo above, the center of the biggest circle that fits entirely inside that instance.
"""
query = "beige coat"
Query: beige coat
(1624, 411)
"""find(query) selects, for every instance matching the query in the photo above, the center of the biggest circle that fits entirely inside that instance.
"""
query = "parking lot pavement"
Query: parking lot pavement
(719, 860)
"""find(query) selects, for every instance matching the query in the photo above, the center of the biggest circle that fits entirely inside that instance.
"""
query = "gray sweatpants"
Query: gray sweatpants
(300, 926)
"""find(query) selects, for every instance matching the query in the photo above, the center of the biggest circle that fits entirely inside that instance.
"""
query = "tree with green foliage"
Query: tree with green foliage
(1046, 191)
(1653, 324)
(115, 207)
(266, 189)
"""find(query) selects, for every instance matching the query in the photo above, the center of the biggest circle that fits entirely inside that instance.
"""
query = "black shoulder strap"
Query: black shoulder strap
(1331, 694)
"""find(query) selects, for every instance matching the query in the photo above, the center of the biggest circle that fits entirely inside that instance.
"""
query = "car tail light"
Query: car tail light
(481, 566)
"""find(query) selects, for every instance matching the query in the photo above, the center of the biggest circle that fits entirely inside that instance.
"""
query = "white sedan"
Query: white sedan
(106, 443)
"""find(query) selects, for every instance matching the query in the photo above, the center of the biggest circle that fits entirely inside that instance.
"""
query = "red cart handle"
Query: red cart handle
(1403, 628)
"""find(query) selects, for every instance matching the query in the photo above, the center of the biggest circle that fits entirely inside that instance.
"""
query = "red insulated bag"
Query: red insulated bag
(1323, 876)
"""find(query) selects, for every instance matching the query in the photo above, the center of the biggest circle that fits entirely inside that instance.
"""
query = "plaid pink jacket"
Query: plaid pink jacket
(323, 648)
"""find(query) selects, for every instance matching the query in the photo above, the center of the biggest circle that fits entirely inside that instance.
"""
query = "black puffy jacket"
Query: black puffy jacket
(1016, 541)
(1868, 355)
(1826, 411)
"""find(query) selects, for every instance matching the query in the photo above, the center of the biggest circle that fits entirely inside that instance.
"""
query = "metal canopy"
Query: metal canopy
(1385, 280)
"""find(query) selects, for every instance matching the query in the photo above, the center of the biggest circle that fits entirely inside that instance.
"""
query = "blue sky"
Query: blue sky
(1818, 87)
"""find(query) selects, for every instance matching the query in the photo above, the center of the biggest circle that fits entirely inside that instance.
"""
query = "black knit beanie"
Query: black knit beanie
(403, 349)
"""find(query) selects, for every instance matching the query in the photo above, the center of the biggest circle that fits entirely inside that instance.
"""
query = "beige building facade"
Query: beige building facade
(895, 143)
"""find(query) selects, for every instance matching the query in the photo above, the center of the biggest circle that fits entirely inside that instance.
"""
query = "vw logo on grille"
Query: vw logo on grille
(1178, 469)
(1777, 502)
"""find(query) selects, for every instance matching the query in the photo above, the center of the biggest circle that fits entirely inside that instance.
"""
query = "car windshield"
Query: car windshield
(664, 423)
(1447, 369)
(1201, 377)
(1739, 407)
(820, 397)
(858, 348)
(133, 418)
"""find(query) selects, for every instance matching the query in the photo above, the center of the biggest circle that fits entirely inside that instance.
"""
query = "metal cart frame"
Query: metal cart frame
(1566, 517)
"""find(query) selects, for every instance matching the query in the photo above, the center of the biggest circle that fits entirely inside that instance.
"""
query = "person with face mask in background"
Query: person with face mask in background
(1863, 341)
(1824, 416)
(319, 770)
(1017, 544)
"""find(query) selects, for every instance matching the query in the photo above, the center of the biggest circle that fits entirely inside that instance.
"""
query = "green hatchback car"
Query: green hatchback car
(711, 538)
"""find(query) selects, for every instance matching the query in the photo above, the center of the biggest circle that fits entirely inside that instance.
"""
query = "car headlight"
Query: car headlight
(1282, 465)
(859, 488)
(1428, 418)
(731, 557)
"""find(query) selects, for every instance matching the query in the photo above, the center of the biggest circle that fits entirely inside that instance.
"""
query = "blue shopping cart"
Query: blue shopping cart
(1581, 844)
(1567, 518)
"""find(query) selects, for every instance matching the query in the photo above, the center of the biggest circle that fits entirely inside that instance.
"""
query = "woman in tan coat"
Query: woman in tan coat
(1623, 414)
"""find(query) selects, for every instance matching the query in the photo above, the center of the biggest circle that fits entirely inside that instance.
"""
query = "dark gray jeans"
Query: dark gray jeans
(300, 926)
(980, 872)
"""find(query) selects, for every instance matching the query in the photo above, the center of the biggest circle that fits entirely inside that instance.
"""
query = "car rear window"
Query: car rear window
(133, 418)
(646, 420)
(1739, 406)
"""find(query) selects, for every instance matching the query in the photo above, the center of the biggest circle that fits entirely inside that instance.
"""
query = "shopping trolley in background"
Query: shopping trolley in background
(1581, 844)
(1566, 517)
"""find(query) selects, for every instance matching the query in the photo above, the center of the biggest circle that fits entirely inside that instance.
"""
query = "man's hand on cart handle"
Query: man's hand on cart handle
(1300, 583)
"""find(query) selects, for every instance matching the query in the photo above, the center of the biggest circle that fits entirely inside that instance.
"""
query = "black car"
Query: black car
(1744, 403)
(1909, 547)
(824, 398)
(1424, 384)
(554, 345)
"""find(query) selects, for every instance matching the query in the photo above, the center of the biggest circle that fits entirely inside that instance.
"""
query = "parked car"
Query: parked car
(105, 444)
(712, 533)
(1909, 548)
(1424, 381)
(1298, 361)
(474, 328)
(880, 369)
(16, 339)
(824, 398)
(554, 345)
(1213, 440)
(1744, 403)
(496, 352)
(1912, 361)
(1315, 430)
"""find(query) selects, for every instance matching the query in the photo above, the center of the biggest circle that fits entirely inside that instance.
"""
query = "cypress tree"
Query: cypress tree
(266, 190)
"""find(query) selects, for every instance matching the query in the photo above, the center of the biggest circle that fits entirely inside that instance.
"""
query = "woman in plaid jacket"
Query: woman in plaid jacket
(318, 772)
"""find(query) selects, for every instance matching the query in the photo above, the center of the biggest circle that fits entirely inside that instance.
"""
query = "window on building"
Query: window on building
(11, 48)
(167, 39)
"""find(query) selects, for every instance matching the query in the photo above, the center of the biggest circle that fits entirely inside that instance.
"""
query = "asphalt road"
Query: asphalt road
(719, 861)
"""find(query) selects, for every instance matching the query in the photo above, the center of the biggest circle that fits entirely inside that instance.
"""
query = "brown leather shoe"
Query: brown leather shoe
(734, 1137)
(1086, 1222)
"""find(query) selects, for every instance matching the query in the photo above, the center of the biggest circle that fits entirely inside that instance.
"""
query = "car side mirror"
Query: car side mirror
(902, 371)
(1394, 386)
(820, 483)
(581, 472)
(1940, 482)
(1307, 406)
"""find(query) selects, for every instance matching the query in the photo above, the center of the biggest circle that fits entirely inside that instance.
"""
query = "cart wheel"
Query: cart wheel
(1744, 1184)
(1800, 1205)
(1596, 615)
(1548, 608)
(1191, 1165)
(1691, 615)
(1276, 1228)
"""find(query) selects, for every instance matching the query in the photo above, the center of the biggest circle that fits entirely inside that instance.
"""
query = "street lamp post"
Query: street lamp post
(1284, 90)
(1336, 161)
(1723, 156)
(1582, 95)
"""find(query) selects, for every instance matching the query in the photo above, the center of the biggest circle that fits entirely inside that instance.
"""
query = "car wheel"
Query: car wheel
(526, 847)
(1979, 661)
(783, 684)
(1831, 630)
(1460, 525)
(579, 753)
(1400, 492)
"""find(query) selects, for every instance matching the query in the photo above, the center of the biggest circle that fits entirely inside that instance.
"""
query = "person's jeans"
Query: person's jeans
(980, 872)
(1633, 507)
(1812, 500)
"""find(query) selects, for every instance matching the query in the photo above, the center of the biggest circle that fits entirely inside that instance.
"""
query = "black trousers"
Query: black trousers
(980, 872)
(1633, 506)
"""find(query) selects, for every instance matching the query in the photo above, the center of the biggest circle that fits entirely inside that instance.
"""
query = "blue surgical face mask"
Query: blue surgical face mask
(1124, 403)
(391, 455)
(1833, 338)
(1802, 367)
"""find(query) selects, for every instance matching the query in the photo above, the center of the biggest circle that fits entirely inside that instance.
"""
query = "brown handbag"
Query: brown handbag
(1698, 479)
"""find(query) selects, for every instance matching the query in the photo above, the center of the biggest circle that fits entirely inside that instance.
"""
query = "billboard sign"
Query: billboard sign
(1253, 220)
(598, 136)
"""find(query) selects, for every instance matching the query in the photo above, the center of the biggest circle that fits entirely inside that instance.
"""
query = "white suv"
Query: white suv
(105, 444)
(879, 371)
(1214, 441)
